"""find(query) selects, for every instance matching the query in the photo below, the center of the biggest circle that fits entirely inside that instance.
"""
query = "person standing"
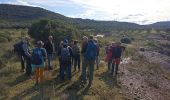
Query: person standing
(27, 55)
(76, 54)
(20, 53)
(89, 60)
(59, 56)
(66, 54)
(116, 56)
(49, 46)
(39, 57)
(98, 51)
(83, 50)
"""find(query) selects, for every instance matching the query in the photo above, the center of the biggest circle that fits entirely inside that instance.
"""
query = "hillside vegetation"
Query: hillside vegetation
(142, 75)
(17, 16)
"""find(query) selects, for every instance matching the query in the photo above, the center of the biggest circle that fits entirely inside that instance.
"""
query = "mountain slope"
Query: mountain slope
(161, 25)
(23, 16)
(17, 16)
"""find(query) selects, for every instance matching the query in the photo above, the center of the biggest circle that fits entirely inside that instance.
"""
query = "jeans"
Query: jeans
(28, 65)
(77, 61)
(49, 60)
(90, 65)
(65, 67)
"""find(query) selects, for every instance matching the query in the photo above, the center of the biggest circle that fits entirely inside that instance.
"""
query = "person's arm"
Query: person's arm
(44, 53)
(71, 51)
(26, 49)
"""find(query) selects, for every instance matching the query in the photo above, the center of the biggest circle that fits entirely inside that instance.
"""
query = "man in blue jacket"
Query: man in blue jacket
(89, 60)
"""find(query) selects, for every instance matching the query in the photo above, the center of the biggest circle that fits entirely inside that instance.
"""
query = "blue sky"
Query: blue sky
(137, 11)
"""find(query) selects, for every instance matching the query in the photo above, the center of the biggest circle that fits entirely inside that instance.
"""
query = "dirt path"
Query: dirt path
(143, 82)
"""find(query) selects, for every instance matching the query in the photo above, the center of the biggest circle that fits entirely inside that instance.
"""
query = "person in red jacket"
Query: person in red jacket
(109, 55)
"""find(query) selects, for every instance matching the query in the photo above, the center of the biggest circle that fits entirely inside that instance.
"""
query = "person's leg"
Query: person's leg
(28, 66)
(62, 71)
(117, 65)
(97, 62)
(49, 61)
(84, 66)
(41, 73)
(72, 60)
(22, 62)
(78, 61)
(59, 66)
(75, 62)
(36, 75)
(109, 63)
(91, 71)
(113, 68)
(116, 69)
(69, 71)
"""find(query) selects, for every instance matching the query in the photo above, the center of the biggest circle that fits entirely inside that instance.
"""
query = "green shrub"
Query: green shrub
(126, 40)
(59, 30)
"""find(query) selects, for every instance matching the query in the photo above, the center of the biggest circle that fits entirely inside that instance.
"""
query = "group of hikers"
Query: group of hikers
(70, 54)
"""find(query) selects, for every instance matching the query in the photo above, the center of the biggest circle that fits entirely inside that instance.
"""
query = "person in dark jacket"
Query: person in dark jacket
(66, 54)
(27, 55)
(49, 46)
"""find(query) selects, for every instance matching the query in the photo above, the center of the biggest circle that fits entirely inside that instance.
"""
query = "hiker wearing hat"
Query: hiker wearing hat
(65, 56)
(49, 46)
(38, 60)
(27, 54)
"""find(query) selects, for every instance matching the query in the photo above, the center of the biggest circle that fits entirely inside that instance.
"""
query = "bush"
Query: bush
(59, 30)
(126, 40)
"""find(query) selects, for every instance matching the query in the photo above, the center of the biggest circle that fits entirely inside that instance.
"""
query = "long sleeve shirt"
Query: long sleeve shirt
(26, 49)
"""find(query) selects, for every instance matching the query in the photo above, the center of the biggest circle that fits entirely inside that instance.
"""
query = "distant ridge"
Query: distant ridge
(17, 16)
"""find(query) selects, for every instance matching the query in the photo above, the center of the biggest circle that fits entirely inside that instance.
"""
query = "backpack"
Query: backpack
(91, 51)
(65, 54)
(37, 56)
(18, 47)
(76, 50)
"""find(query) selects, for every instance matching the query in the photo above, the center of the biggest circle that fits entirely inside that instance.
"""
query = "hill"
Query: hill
(17, 16)
(161, 25)
(24, 16)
